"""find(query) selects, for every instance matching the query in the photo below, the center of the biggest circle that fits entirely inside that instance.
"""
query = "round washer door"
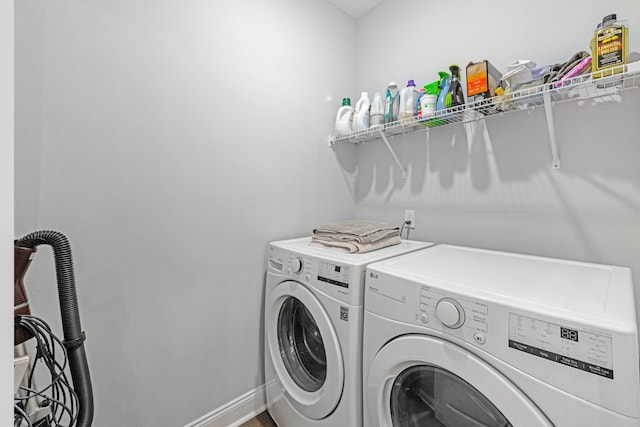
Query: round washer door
(417, 380)
(305, 350)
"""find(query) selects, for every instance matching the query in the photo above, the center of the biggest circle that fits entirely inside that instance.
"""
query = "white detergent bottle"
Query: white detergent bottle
(361, 118)
(377, 111)
(408, 97)
(391, 103)
(344, 118)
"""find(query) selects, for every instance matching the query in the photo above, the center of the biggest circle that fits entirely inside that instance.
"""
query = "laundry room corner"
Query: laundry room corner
(242, 249)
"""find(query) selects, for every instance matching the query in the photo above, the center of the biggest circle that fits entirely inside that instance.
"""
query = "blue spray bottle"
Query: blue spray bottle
(445, 83)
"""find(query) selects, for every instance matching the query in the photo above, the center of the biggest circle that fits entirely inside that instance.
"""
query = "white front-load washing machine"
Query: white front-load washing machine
(313, 332)
(461, 337)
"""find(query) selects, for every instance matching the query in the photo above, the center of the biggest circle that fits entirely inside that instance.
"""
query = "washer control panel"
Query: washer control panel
(590, 351)
(453, 312)
(338, 280)
(334, 274)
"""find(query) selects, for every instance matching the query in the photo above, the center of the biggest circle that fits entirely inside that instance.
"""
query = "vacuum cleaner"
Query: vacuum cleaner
(60, 402)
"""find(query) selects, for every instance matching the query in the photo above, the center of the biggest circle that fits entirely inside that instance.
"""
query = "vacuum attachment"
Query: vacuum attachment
(22, 259)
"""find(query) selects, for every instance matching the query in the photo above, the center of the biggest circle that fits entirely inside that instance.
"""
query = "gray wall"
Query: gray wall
(171, 141)
(494, 187)
(6, 200)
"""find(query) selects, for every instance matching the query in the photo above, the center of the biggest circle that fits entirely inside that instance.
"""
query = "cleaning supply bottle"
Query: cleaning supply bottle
(361, 117)
(391, 103)
(344, 118)
(419, 103)
(610, 47)
(408, 98)
(455, 90)
(429, 100)
(377, 111)
(445, 83)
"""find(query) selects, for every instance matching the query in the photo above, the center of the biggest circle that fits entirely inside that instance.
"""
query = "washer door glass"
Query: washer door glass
(430, 396)
(301, 345)
(420, 380)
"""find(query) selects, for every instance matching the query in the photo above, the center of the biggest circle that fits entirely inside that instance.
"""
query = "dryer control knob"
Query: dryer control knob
(450, 313)
(296, 265)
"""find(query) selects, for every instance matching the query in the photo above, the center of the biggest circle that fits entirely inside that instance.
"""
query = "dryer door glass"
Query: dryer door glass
(301, 345)
(426, 395)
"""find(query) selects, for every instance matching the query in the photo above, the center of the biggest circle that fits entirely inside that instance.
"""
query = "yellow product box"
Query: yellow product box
(482, 80)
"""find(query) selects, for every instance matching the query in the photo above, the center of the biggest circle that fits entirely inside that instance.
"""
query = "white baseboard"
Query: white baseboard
(236, 412)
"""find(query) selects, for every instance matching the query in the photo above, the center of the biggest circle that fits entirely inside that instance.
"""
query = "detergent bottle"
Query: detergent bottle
(445, 83)
(419, 104)
(344, 118)
(391, 103)
(408, 98)
(377, 111)
(361, 117)
(455, 90)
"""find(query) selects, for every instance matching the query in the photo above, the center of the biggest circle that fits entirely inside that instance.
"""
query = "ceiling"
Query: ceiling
(355, 8)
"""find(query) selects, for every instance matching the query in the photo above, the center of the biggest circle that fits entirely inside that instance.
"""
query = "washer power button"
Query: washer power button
(479, 338)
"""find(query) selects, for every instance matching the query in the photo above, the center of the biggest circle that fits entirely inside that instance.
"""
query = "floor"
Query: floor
(262, 420)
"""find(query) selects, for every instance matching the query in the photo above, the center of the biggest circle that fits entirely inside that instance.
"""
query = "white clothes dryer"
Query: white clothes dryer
(313, 332)
(463, 337)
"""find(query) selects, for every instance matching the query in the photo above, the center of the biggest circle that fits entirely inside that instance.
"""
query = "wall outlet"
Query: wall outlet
(410, 215)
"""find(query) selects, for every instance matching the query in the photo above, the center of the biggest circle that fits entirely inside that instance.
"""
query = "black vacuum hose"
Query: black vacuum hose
(73, 335)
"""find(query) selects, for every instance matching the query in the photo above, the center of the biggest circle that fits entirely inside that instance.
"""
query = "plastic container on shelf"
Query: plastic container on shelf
(419, 103)
(445, 83)
(377, 112)
(391, 103)
(609, 47)
(344, 118)
(429, 100)
(408, 98)
(457, 96)
(361, 117)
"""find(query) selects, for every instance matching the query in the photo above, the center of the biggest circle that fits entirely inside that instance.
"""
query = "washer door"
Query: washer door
(418, 380)
(305, 350)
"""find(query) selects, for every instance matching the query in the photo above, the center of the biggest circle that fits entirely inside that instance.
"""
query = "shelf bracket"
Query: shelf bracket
(555, 158)
(332, 143)
(393, 154)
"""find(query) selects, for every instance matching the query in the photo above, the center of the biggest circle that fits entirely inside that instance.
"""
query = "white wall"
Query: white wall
(171, 141)
(499, 191)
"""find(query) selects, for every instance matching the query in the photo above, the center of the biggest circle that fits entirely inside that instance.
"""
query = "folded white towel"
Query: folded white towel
(361, 231)
(353, 247)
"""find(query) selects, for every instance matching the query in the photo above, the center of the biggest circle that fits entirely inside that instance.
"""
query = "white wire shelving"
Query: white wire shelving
(604, 85)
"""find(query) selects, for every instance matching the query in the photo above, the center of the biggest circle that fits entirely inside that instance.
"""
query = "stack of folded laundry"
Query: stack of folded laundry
(355, 236)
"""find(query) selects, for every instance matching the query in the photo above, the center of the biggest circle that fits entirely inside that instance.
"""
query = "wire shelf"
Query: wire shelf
(602, 84)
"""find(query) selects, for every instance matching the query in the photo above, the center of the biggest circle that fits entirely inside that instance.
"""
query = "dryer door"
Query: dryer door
(305, 350)
(416, 380)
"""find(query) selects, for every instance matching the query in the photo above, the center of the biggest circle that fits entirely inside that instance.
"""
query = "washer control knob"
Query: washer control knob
(424, 318)
(450, 313)
(296, 265)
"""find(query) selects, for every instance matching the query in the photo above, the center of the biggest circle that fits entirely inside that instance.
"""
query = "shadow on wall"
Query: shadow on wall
(346, 156)
(595, 137)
